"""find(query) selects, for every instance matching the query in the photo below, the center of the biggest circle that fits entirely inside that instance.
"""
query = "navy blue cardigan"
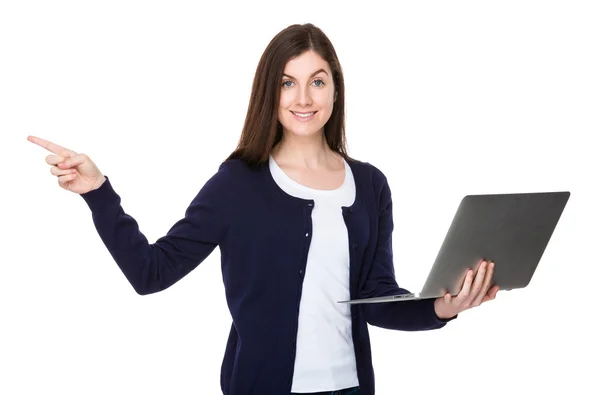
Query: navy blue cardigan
(263, 235)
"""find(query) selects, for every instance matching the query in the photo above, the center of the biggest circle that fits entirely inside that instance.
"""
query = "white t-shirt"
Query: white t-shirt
(325, 359)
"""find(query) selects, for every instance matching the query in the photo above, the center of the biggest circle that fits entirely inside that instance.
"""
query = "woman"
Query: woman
(300, 226)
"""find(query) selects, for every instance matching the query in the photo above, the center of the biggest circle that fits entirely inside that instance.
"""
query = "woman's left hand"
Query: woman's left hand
(472, 294)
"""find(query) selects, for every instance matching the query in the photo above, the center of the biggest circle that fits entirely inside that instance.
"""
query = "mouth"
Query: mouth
(303, 116)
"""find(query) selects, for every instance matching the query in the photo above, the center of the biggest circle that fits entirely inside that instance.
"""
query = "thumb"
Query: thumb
(73, 161)
(448, 297)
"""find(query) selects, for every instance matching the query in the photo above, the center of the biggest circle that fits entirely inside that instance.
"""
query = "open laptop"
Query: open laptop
(512, 230)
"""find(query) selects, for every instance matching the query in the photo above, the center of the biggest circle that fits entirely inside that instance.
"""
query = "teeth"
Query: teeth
(304, 115)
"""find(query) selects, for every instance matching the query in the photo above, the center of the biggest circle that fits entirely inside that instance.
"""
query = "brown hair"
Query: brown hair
(262, 129)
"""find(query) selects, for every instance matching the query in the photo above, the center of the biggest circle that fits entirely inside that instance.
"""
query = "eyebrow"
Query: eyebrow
(312, 75)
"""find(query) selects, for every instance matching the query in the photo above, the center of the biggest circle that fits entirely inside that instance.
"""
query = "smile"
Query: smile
(304, 116)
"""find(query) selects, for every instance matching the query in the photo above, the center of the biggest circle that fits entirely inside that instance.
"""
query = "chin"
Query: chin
(302, 132)
(302, 129)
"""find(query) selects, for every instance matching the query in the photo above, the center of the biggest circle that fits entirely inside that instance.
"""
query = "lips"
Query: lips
(303, 116)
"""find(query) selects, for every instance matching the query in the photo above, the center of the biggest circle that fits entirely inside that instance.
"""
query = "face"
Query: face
(307, 95)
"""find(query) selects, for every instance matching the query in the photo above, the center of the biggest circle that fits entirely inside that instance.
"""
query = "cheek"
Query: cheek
(284, 105)
(326, 102)
(285, 101)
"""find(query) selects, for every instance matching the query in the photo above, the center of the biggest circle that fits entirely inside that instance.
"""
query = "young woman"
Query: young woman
(300, 226)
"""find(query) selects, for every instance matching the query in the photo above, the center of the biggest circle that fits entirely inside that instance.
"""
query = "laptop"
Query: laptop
(512, 230)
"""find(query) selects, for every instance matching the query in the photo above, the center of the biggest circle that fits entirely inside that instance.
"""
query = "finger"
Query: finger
(73, 162)
(464, 292)
(55, 159)
(64, 180)
(478, 283)
(54, 148)
(491, 295)
(494, 291)
(58, 172)
(486, 285)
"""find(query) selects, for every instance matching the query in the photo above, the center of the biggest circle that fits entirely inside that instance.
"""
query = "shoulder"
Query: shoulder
(232, 170)
(226, 188)
(233, 176)
(370, 176)
(366, 172)
(223, 180)
(239, 167)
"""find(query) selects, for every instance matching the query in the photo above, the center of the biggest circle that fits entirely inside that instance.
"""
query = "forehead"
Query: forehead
(306, 64)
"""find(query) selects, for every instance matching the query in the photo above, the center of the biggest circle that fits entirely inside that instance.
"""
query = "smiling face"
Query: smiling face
(307, 95)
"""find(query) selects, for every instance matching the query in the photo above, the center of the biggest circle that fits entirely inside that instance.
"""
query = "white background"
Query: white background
(446, 98)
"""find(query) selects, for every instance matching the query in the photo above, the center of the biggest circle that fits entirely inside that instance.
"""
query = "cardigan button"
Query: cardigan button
(306, 235)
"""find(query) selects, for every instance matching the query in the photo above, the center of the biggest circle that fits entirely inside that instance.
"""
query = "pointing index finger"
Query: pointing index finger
(54, 148)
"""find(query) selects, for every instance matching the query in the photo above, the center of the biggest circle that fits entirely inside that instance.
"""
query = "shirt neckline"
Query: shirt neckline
(310, 202)
(304, 188)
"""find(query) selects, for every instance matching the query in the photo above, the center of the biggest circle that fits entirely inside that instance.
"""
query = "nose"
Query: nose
(304, 98)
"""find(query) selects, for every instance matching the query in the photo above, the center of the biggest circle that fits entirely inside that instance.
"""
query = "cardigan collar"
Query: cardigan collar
(360, 181)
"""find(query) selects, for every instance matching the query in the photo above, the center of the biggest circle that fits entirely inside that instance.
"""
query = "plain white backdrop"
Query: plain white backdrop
(446, 98)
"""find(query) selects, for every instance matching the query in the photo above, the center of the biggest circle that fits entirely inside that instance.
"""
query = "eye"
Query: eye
(287, 84)
(318, 83)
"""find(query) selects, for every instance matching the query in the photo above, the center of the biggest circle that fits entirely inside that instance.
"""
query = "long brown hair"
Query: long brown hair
(262, 129)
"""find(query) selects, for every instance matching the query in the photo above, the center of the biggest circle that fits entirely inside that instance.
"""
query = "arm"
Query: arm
(414, 315)
(154, 267)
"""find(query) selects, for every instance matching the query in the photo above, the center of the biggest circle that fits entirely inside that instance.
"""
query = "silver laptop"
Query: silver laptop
(512, 230)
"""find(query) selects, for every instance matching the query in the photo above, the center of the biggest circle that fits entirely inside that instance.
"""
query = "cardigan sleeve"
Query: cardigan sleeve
(154, 267)
(416, 315)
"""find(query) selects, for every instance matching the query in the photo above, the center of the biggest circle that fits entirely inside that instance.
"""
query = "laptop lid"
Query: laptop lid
(512, 230)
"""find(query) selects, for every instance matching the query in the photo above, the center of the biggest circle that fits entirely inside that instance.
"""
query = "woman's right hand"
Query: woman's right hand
(76, 172)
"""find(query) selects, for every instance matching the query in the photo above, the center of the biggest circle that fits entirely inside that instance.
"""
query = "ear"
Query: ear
(335, 97)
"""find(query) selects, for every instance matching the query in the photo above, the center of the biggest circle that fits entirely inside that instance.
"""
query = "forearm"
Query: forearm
(409, 315)
(148, 267)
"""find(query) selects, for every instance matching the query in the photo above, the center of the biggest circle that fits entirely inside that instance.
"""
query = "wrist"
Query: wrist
(99, 183)
(440, 312)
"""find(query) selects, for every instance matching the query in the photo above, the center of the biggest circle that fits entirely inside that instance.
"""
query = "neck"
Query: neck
(306, 152)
